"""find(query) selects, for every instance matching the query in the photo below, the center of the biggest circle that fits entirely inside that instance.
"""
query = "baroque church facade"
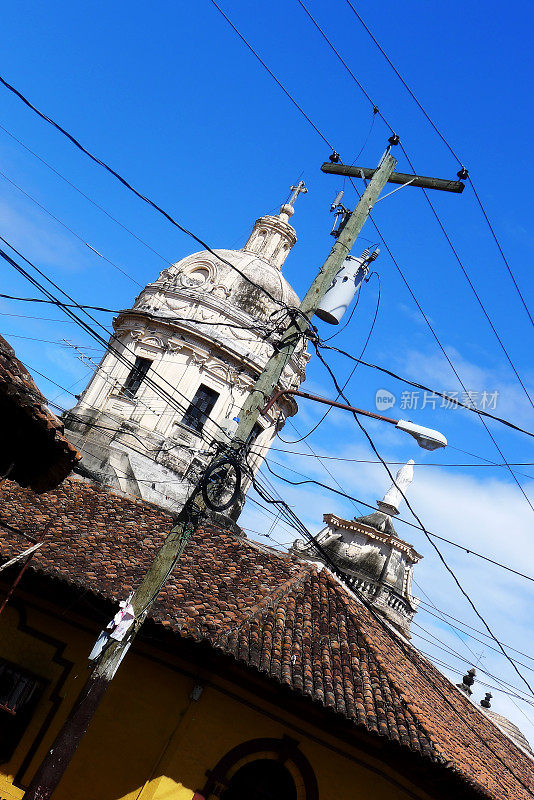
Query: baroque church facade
(198, 335)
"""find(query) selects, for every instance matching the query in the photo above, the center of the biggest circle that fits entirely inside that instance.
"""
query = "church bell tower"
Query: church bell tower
(369, 552)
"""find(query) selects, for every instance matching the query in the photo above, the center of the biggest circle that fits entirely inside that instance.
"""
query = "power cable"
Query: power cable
(448, 398)
(341, 493)
(440, 223)
(349, 583)
(476, 639)
(510, 687)
(460, 622)
(459, 655)
(406, 85)
(85, 196)
(429, 538)
(45, 341)
(301, 528)
(455, 670)
(139, 194)
(409, 287)
(454, 154)
(400, 463)
(411, 293)
(501, 251)
(441, 347)
(435, 641)
(258, 325)
(155, 386)
(8, 258)
(471, 284)
(477, 658)
(58, 303)
(70, 230)
(271, 73)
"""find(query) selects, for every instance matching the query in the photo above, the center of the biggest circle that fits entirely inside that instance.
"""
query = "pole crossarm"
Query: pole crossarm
(421, 181)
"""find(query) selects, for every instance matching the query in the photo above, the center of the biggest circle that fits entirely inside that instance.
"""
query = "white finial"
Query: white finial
(287, 209)
(394, 496)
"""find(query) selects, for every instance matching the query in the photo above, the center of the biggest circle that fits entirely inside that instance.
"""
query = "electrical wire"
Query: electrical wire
(414, 297)
(454, 154)
(256, 326)
(71, 231)
(158, 388)
(341, 493)
(139, 194)
(344, 580)
(45, 341)
(82, 194)
(477, 659)
(155, 386)
(435, 641)
(505, 765)
(446, 355)
(476, 639)
(400, 463)
(460, 622)
(446, 397)
(271, 73)
(469, 660)
(429, 538)
(438, 219)
(466, 661)
(408, 285)
(310, 480)
(471, 284)
(302, 528)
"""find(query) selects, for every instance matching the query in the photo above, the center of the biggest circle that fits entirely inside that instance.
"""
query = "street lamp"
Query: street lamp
(427, 438)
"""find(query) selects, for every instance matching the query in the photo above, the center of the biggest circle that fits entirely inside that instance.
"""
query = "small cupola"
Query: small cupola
(369, 552)
(273, 237)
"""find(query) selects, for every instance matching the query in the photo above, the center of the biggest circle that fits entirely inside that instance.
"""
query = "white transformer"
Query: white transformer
(344, 287)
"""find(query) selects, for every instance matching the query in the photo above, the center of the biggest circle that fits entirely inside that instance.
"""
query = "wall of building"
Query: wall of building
(165, 723)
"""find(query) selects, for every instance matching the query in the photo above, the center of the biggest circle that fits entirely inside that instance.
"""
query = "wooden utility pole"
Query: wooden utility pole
(57, 759)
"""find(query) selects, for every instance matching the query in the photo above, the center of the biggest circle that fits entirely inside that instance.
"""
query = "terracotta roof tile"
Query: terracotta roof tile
(277, 615)
(34, 449)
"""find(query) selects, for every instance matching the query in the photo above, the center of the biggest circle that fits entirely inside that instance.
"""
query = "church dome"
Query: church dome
(256, 286)
(511, 730)
(207, 270)
(191, 348)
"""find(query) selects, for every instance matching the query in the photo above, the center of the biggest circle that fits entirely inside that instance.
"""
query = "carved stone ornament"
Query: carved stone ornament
(199, 273)
(148, 338)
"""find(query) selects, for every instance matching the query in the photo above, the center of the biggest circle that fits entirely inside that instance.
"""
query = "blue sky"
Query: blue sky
(174, 101)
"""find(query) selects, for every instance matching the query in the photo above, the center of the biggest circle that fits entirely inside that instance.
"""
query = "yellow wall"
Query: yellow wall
(151, 741)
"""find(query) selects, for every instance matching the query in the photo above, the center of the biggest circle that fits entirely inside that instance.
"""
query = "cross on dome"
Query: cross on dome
(287, 209)
(300, 187)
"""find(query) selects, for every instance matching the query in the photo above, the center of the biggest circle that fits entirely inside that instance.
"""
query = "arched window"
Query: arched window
(262, 779)
(262, 769)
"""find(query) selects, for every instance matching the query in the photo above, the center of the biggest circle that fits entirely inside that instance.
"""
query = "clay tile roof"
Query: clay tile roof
(279, 616)
(34, 449)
